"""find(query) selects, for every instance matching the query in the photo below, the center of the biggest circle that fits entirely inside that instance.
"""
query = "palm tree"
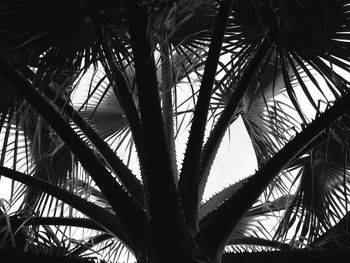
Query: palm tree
(101, 178)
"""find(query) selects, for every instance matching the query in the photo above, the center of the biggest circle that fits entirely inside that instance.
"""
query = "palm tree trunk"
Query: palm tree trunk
(170, 240)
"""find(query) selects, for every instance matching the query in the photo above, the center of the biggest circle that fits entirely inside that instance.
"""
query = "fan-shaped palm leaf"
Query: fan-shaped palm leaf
(321, 198)
(37, 30)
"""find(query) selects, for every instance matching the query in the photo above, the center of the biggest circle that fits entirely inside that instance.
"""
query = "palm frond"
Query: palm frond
(321, 197)
(38, 33)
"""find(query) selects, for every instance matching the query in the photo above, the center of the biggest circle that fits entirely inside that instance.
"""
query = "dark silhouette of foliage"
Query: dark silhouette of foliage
(95, 97)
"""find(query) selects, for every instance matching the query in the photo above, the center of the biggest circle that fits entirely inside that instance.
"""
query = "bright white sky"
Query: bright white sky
(235, 159)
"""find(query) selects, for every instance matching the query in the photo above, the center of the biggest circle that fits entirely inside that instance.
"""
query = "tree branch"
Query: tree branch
(132, 216)
(105, 219)
(127, 178)
(122, 91)
(214, 235)
(168, 231)
(190, 173)
(212, 145)
(66, 221)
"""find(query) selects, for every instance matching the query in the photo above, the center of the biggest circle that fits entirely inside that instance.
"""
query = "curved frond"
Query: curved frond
(323, 189)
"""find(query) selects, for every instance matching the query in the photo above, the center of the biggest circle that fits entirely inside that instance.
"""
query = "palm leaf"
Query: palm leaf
(321, 198)
(38, 32)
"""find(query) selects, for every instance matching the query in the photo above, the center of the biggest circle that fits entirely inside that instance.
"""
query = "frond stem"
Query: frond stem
(131, 214)
(214, 235)
(107, 220)
(128, 179)
(190, 176)
(215, 137)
